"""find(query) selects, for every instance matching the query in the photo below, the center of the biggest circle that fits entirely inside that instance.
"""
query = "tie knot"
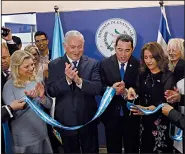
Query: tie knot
(74, 63)
(7, 72)
(122, 65)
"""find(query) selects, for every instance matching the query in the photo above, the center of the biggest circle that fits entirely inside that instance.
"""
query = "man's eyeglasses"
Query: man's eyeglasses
(39, 41)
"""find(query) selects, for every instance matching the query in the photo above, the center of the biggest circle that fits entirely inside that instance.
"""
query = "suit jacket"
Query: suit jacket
(3, 80)
(110, 73)
(4, 113)
(179, 70)
(5, 116)
(177, 118)
(74, 106)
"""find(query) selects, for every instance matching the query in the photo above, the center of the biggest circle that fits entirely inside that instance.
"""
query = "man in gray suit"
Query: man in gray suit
(75, 81)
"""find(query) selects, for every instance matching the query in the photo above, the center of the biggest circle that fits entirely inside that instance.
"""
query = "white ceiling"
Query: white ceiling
(10, 7)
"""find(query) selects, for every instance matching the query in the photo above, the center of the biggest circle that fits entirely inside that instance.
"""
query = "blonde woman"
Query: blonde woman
(175, 50)
(40, 68)
(28, 130)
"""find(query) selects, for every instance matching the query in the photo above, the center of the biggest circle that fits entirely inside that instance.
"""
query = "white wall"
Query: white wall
(21, 19)
(9, 7)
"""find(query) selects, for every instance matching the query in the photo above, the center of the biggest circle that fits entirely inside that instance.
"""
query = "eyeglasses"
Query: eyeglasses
(39, 41)
(172, 51)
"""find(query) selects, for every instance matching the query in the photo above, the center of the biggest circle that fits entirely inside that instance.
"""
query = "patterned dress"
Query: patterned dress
(155, 127)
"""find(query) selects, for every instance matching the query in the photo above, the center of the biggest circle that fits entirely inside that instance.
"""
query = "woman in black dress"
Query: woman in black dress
(153, 80)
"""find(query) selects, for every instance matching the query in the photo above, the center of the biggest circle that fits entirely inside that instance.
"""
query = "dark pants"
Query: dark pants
(125, 133)
(81, 142)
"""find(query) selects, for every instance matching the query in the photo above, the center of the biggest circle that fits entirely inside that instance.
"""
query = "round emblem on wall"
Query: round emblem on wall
(107, 33)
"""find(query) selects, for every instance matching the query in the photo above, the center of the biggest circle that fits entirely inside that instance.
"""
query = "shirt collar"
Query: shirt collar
(70, 60)
(8, 71)
(125, 66)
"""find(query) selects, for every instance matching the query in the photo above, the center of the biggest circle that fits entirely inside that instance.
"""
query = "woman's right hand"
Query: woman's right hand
(131, 94)
(136, 111)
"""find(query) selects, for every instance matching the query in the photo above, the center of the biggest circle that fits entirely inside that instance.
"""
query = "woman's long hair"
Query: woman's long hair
(157, 53)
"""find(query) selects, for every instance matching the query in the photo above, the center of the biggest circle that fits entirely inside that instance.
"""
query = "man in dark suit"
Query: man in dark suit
(120, 71)
(12, 46)
(75, 81)
(5, 71)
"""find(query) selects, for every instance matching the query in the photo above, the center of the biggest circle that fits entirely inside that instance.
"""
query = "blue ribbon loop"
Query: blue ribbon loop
(177, 137)
(105, 101)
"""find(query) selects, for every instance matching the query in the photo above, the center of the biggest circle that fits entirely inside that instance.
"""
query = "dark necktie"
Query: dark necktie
(122, 73)
(73, 83)
(7, 72)
(75, 64)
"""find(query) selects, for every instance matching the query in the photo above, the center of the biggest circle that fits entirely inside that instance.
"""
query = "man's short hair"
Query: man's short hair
(17, 40)
(39, 33)
(124, 38)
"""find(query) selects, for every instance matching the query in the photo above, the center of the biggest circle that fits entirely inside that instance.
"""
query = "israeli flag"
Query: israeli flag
(163, 32)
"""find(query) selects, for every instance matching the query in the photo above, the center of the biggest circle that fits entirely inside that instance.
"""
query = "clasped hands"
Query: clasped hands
(72, 74)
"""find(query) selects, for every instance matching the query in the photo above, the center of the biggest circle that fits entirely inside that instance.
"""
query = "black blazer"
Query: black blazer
(74, 106)
(110, 73)
(179, 71)
(177, 118)
(5, 116)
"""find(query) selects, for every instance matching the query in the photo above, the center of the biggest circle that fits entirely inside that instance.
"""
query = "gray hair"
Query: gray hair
(71, 34)
(178, 44)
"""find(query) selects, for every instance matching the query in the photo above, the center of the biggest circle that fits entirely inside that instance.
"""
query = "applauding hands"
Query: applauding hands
(38, 91)
(72, 74)
(172, 96)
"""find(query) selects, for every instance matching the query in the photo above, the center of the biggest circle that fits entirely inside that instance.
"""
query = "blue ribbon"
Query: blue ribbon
(146, 112)
(7, 138)
(177, 137)
(105, 101)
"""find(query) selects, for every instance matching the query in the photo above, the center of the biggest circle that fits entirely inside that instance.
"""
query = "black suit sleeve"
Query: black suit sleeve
(103, 79)
(12, 48)
(4, 115)
(56, 87)
(182, 103)
(177, 118)
(92, 86)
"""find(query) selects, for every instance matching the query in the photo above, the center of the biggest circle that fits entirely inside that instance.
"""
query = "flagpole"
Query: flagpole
(55, 132)
(161, 3)
(56, 8)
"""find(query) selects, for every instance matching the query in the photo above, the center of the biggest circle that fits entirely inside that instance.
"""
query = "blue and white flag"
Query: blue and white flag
(57, 51)
(58, 37)
(163, 31)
